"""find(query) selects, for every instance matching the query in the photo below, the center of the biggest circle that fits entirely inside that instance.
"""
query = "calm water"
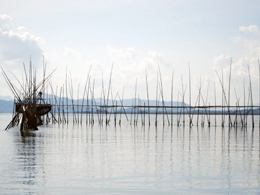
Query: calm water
(67, 159)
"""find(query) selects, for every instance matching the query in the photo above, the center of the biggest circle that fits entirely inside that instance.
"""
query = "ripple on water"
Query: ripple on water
(64, 159)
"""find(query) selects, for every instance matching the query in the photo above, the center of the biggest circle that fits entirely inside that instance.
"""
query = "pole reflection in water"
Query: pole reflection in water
(135, 159)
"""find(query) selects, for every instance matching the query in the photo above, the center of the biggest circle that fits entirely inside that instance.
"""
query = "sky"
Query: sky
(136, 38)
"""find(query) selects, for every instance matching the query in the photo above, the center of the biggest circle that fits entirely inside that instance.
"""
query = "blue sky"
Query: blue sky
(135, 36)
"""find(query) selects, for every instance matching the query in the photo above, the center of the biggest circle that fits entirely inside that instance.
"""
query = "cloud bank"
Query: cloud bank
(242, 65)
(17, 45)
(251, 28)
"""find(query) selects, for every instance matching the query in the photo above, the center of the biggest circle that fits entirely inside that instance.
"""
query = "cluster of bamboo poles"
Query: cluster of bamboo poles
(110, 109)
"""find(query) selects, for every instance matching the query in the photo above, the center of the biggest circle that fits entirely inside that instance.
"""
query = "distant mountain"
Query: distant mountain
(6, 106)
(6, 98)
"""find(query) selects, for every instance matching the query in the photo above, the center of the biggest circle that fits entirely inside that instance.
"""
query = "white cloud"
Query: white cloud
(75, 55)
(130, 66)
(237, 39)
(251, 28)
(120, 54)
(250, 55)
(5, 17)
(4, 20)
(222, 61)
(17, 45)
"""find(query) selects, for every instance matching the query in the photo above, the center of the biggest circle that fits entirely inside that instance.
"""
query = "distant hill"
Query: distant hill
(6, 98)
(6, 106)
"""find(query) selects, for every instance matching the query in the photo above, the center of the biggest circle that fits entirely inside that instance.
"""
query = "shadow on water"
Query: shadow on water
(23, 167)
(27, 133)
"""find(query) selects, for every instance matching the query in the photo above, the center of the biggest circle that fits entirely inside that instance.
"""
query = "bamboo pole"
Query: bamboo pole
(172, 99)
(238, 108)
(194, 109)
(115, 113)
(147, 90)
(44, 74)
(121, 107)
(190, 119)
(135, 103)
(104, 98)
(138, 111)
(78, 104)
(156, 101)
(84, 92)
(63, 111)
(59, 92)
(178, 123)
(100, 107)
(107, 121)
(224, 97)
(92, 103)
(198, 112)
(131, 117)
(251, 92)
(88, 111)
(223, 117)
(215, 98)
(67, 101)
(183, 95)
(144, 115)
(229, 83)
(72, 98)
(244, 121)
(208, 116)
(163, 103)
(112, 107)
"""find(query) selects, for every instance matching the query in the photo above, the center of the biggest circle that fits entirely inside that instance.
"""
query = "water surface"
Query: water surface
(128, 159)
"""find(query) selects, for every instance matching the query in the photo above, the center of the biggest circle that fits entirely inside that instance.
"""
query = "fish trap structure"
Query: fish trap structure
(34, 107)
(29, 106)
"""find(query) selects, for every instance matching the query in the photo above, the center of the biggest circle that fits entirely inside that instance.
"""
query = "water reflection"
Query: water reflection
(130, 159)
